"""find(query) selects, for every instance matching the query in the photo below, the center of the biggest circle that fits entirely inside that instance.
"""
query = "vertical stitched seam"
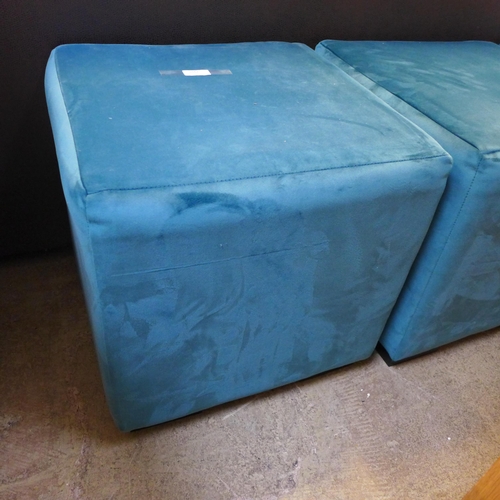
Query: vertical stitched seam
(69, 121)
(431, 275)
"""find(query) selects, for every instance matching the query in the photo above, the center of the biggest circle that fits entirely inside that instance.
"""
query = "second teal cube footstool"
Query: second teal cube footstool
(452, 91)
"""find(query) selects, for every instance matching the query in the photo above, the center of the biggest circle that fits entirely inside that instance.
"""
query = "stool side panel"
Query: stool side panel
(238, 289)
(454, 288)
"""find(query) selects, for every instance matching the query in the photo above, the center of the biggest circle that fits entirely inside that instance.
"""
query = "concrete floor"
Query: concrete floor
(425, 429)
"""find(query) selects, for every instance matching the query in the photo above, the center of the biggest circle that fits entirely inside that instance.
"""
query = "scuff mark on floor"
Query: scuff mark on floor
(239, 409)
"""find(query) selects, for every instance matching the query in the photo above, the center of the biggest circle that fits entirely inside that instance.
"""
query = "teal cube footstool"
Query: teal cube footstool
(244, 216)
(452, 91)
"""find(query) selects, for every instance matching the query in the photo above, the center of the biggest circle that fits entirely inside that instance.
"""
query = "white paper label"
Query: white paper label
(196, 72)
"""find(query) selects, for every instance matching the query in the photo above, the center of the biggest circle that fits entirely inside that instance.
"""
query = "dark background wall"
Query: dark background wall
(32, 211)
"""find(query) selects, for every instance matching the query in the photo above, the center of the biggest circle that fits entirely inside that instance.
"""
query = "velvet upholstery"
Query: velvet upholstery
(452, 91)
(237, 230)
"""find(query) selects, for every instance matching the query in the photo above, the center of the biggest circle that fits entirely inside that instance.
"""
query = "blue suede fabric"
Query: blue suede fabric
(452, 91)
(236, 231)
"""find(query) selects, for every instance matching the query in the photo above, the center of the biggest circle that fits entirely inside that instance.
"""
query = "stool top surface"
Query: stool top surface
(166, 116)
(456, 84)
